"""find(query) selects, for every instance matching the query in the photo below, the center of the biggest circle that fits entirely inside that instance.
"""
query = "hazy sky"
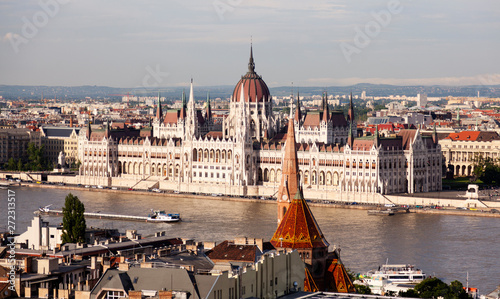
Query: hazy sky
(126, 43)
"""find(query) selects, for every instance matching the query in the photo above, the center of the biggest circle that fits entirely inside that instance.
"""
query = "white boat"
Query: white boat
(391, 277)
(45, 209)
(161, 216)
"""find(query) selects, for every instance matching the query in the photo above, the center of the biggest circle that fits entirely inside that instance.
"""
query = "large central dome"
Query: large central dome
(254, 88)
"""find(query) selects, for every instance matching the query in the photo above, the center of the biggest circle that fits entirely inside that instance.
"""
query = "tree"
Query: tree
(73, 220)
(487, 170)
(362, 289)
(434, 288)
(11, 164)
(36, 158)
(20, 165)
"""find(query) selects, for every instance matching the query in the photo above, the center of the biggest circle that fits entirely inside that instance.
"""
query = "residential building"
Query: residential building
(14, 143)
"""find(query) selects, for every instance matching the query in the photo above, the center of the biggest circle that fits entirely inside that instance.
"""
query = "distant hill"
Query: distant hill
(224, 91)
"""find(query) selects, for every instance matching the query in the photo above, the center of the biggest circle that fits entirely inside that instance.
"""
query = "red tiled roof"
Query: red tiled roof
(171, 117)
(298, 228)
(408, 136)
(362, 144)
(227, 251)
(312, 120)
(473, 136)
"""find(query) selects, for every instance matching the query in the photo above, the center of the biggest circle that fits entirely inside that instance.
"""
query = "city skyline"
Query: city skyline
(123, 44)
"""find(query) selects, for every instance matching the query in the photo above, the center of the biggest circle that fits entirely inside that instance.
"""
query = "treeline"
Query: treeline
(34, 160)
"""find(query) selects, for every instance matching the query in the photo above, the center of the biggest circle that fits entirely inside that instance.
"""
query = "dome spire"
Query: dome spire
(251, 64)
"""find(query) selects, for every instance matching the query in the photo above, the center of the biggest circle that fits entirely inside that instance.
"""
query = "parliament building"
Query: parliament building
(183, 150)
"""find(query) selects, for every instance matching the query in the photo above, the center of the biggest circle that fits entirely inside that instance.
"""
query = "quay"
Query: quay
(98, 215)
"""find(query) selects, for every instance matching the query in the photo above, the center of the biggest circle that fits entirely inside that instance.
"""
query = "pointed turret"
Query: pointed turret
(89, 130)
(108, 130)
(191, 117)
(350, 139)
(159, 112)
(208, 111)
(375, 139)
(289, 177)
(251, 64)
(298, 114)
(350, 113)
(184, 107)
(434, 135)
(326, 110)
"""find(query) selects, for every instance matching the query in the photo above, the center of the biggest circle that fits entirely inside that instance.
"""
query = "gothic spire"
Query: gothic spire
(326, 112)
(183, 107)
(251, 64)
(290, 172)
(350, 113)
(298, 115)
(434, 134)
(158, 108)
(89, 130)
(350, 139)
(208, 109)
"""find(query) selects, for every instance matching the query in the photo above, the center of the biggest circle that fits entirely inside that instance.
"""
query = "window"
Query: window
(115, 294)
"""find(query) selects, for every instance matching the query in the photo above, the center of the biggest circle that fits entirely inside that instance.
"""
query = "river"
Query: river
(441, 245)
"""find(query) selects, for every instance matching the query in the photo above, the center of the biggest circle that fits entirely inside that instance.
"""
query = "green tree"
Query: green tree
(362, 289)
(20, 165)
(11, 164)
(487, 170)
(73, 220)
(434, 287)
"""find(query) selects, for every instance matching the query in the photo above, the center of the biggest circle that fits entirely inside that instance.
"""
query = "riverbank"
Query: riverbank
(316, 203)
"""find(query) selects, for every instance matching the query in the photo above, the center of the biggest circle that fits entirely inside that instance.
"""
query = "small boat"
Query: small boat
(391, 278)
(388, 212)
(161, 216)
(45, 209)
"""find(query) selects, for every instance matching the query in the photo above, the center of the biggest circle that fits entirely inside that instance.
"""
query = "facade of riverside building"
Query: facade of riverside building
(181, 150)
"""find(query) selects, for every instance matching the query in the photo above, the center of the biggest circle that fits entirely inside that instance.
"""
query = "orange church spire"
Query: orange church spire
(298, 229)
(289, 174)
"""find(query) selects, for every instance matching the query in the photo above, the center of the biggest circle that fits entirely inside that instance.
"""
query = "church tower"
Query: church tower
(298, 229)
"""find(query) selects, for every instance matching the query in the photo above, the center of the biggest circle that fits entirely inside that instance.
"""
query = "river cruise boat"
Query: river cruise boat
(161, 216)
(391, 277)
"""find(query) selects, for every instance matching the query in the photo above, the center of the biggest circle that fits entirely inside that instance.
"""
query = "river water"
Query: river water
(441, 245)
